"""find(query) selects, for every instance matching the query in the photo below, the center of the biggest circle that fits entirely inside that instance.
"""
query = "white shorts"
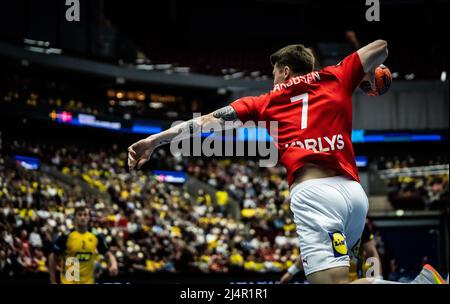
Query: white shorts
(329, 214)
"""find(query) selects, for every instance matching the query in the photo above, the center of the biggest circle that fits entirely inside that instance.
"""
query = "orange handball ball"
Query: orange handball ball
(383, 80)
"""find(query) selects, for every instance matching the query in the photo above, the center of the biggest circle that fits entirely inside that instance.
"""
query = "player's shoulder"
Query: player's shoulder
(333, 67)
(60, 243)
(97, 234)
(255, 100)
(101, 238)
(330, 69)
(265, 96)
(65, 234)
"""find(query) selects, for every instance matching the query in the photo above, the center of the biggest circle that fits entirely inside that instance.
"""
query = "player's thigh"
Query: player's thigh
(337, 275)
(320, 213)
(358, 207)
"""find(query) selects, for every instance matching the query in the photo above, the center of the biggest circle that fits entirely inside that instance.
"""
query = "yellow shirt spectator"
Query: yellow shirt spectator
(222, 198)
(236, 259)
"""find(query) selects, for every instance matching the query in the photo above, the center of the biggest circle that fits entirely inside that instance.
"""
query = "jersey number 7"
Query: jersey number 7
(304, 98)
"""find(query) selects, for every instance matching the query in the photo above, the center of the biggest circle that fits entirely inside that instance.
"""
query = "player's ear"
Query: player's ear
(286, 72)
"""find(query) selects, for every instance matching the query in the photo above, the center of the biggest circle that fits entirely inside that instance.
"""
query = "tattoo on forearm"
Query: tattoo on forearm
(189, 128)
(226, 113)
(164, 141)
(192, 127)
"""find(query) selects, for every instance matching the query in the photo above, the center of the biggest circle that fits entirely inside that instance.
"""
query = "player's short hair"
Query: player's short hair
(81, 209)
(297, 57)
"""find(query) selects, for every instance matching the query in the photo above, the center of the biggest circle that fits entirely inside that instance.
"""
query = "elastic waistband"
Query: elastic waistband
(319, 181)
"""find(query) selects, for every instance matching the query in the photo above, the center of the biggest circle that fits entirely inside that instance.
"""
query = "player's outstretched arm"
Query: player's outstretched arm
(140, 152)
(373, 54)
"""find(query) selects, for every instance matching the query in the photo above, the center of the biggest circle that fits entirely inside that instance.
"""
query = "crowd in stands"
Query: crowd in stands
(53, 96)
(416, 184)
(149, 225)
(58, 103)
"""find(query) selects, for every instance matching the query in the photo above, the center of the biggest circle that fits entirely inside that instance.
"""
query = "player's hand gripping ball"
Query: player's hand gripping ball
(382, 79)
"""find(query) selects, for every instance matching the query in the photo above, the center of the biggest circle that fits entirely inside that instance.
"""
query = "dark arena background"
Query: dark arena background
(75, 94)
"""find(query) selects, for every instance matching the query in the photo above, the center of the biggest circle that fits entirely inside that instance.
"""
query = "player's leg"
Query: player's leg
(373, 281)
(337, 275)
(428, 275)
(320, 212)
(353, 229)
(357, 208)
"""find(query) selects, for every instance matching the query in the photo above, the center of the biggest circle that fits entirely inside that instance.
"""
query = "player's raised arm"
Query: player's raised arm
(373, 54)
(140, 152)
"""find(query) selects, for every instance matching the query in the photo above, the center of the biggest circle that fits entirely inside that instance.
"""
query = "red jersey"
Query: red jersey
(314, 115)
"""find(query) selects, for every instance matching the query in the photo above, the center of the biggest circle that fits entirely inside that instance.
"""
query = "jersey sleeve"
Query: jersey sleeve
(249, 108)
(60, 245)
(102, 247)
(349, 72)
